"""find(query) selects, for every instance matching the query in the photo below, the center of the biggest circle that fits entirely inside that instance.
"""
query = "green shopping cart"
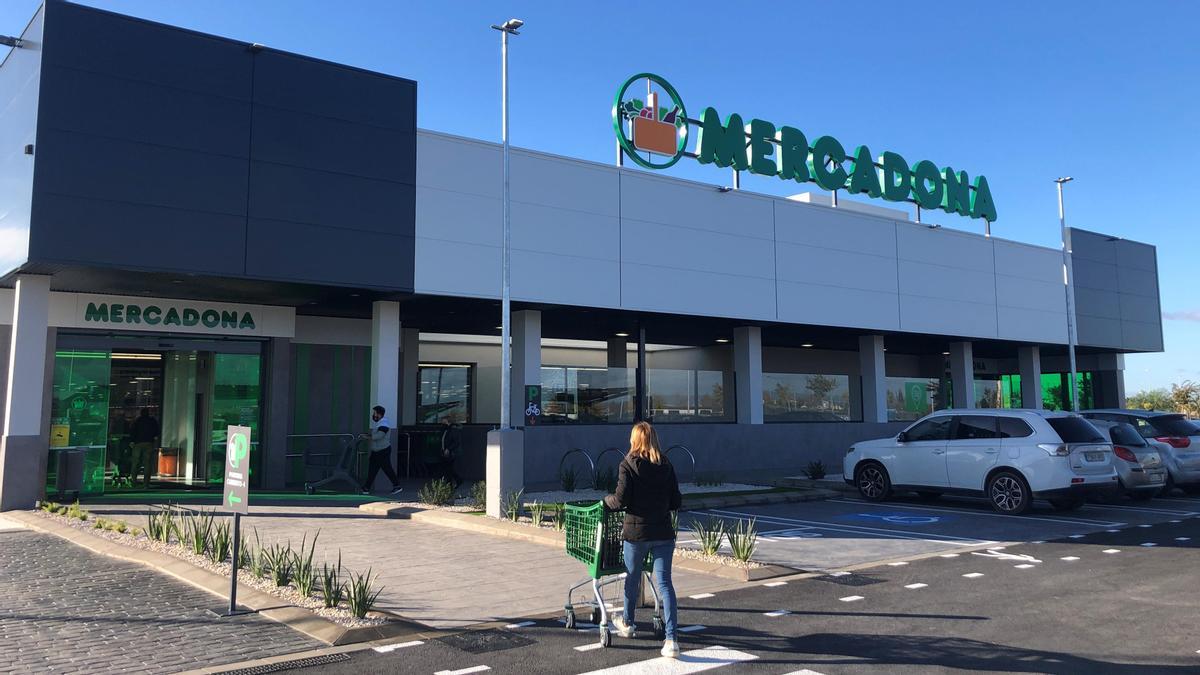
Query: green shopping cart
(594, 538)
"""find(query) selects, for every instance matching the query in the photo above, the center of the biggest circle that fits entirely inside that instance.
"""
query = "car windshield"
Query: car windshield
(1175, 425)
(1124, 434)
(1075, 430)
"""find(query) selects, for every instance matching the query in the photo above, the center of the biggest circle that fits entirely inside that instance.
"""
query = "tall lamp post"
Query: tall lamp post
(1070, 289)
(507, 28)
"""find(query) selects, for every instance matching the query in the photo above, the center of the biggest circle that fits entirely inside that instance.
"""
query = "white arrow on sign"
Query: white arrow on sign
(1001, 555)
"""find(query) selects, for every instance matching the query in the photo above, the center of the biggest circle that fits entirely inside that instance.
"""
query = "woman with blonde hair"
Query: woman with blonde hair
(648, 492)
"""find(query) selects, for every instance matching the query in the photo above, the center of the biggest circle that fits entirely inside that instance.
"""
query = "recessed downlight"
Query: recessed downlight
(807, 345)
(722, 340)
(622, 334)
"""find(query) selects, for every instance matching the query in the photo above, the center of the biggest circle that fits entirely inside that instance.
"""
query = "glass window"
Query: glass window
(587, 395)
(933, 429)
(688, 396)
(791, 397)
(79, 415)
(972, 427)
(445, 393)
(910, 398)
(1056, 391)
(1175, 425)
(1075, 430)
(993, 393)
(1012, 427)
(1125, 434)
(236, 400)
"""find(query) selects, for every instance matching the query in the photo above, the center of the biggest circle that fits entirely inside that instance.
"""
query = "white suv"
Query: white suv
(1009, 456)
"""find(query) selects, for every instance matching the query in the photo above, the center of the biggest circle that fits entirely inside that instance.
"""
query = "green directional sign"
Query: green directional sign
(237, 470)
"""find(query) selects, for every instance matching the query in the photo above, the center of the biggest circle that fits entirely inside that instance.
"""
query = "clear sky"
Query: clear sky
(1020, 91)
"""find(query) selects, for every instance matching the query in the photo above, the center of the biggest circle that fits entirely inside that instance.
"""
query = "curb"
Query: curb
(297, 618)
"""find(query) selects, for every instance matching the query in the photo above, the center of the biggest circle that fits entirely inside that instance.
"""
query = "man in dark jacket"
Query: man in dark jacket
(142, 438)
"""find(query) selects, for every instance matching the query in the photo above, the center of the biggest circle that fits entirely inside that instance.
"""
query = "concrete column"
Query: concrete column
(24, 445)
(618, 352)
(410, 361)
(277, 420)
(962, 374)
(747, 369)
(526, 359)
(385, 357)
(1029, 360)
(871, 364)
(640, 389)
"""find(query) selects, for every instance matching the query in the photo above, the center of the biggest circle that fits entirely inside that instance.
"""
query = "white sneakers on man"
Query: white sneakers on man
(670, 649)
(625, 630)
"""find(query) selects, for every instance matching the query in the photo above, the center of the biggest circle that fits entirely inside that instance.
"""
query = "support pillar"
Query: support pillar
(1029, 366)
(23, 447)
(639, 386)
(618, 348)
(526, 359)
(410, 361)
(277, 423)
(962, 374)
(506, 447)
(385, 359)
(747, 368)
(871, 365)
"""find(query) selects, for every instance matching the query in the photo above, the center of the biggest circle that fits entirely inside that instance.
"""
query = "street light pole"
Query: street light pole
(1069, 273)
(507, 28)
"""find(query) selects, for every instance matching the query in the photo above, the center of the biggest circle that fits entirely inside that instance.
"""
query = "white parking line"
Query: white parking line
(897, 564)
(384, 649)
(1148, 544)
(1145, 526)
(1078, 536)
(692, 629)
(989, 514)
(1112, 531)
(851, 529)
(701, 596)
(523, 624)
(913, 587)
(775, 584)
(1183, 538)
(1024, 566)
(1111, 550)
(778, 612)
(806, 671)
(948, 555)
(588, 647)
(693, 661)
(1146, 509)
(465, 671)
(852, 598)
(1174, 521)
(1070, 558)
(973, 575)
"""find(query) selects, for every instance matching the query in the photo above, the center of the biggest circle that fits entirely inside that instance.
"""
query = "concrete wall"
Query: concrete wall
(1116, 292)
(20, 81)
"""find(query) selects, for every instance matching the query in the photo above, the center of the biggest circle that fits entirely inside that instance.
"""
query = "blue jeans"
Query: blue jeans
(635, 554)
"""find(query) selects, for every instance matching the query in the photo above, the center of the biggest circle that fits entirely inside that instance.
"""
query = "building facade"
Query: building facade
(221, 233)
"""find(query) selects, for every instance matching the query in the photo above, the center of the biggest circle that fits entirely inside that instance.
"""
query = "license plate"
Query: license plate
(1094, 456)
(1156, 478)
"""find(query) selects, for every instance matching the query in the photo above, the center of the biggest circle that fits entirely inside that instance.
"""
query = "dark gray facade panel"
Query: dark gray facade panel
(1095, 275)
(328, 255)
(328, 144)
(304, 85)
(20, 82)
(1116, 293)
(1137, 255)
(1134, 281)
(1140, 308)
(148, 238)
(280, 192)
(1091, 246)
(1096, 303)
(145, 112)
(103, 42)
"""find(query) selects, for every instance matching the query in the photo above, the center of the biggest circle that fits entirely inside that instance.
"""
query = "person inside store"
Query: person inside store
(143, 437)
(451, 445)
(648, 491)
(380, 458)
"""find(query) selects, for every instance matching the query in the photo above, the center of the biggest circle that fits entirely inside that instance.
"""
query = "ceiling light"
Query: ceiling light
(722, 340)
(945, 353)
(806, 345)
(622, 334)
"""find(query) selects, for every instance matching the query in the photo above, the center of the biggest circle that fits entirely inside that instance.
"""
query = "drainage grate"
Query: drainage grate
(849, 579)
(292, 665)
(481, 641)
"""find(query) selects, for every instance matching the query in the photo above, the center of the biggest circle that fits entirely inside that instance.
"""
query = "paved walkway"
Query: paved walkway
(67, 610)
(436, 575)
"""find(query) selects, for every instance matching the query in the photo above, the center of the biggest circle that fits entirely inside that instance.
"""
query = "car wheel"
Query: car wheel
(928, 495)
(873, 482)
(1067, 504)
(1009, 493)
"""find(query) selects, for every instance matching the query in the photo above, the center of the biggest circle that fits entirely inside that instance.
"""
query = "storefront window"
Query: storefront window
(911, 398)
(79, 415)
(688, 396)
(793, 397)
(236, 397)
(445, 393)
(587, 395)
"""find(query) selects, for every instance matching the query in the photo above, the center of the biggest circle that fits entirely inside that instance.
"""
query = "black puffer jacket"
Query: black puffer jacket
(648, 492)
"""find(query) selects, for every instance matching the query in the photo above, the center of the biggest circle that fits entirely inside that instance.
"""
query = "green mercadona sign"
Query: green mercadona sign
(155, 315)
(653, 129)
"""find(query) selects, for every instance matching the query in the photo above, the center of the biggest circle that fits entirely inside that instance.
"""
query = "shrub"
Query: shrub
(245, 553)
(160, 523)
(362, 593)
(221, 541)
(743, 539)
(606, 480)
(559, 516)
(511, 505)
(49, 507)
(710, 478)
(815, 470)
(280, 559)
(567, 478)
(479, 496)
(121, 527)
(306, 574)
(675, 522)
(537, 511)
(332, 586)
(437, 492)
(710, 534)
(197, 531)
(74, 511)
(256, 559)
(100, 524)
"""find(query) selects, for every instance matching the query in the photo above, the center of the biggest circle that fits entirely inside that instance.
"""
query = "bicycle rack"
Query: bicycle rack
(586, 456)
(680, 446)
(620, 455)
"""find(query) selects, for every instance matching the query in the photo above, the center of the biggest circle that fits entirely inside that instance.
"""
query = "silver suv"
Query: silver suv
(1181, 436)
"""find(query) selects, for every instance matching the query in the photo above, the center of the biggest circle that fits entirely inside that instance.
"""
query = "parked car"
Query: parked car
(1009, 456)
(1140, 470)
(1181, 436)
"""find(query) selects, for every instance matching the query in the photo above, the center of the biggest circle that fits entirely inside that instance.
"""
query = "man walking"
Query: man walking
(143, 436)
(381, 451)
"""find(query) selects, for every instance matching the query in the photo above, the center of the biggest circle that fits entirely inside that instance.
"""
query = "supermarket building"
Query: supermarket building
(222, 233)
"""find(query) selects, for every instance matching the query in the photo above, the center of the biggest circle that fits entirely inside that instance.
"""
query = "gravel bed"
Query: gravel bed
(288, 594)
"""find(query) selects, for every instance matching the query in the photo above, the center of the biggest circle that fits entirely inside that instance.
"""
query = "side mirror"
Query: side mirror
(902, 437)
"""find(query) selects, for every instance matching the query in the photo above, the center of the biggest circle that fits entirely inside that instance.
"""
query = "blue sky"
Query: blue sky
(1019, 91)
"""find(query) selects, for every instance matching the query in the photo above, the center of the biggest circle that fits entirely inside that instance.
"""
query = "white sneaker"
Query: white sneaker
(625, 630)
(670, 649)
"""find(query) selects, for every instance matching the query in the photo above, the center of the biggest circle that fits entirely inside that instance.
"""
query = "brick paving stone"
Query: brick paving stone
(68, 610)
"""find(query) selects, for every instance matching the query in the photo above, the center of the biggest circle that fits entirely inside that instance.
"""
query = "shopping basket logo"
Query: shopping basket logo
(650, 121)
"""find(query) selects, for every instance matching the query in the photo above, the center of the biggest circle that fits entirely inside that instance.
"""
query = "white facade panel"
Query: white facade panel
(1031, 262)
(825, 228)
(696, 206)
(947, 317)
(680, 291)
(829, 267)
(459, 165)
(947, 282)
(1031, 325)
(454, 268)
(559, 231)
(832, 306)
(457, 216)
(673, 247)
(562, 183)
(1024, 293)
(565, 280)
(944, 247)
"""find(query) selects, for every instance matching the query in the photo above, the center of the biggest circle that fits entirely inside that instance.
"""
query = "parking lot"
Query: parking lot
(848, 531)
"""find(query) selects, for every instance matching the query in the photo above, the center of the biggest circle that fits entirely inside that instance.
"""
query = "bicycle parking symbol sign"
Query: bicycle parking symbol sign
(237, 470)
(533, 404)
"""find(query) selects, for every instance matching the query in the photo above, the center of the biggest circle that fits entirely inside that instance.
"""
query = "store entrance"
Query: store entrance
(148, 418)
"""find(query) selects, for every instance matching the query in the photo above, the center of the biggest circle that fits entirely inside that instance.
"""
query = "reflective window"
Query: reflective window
(445, 393)
(688, 396)
(584, 395)
(1012, 427)
(973, 427)
(934, 429)
(1125, 434)
(911, 398)
(792, 397)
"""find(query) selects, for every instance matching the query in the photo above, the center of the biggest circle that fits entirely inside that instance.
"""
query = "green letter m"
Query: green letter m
(94, 313)
(722, 144)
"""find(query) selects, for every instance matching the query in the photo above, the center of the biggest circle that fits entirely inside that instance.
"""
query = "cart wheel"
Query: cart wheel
(605, 638)
(596, 615)
(660, 628)
(570, 620)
